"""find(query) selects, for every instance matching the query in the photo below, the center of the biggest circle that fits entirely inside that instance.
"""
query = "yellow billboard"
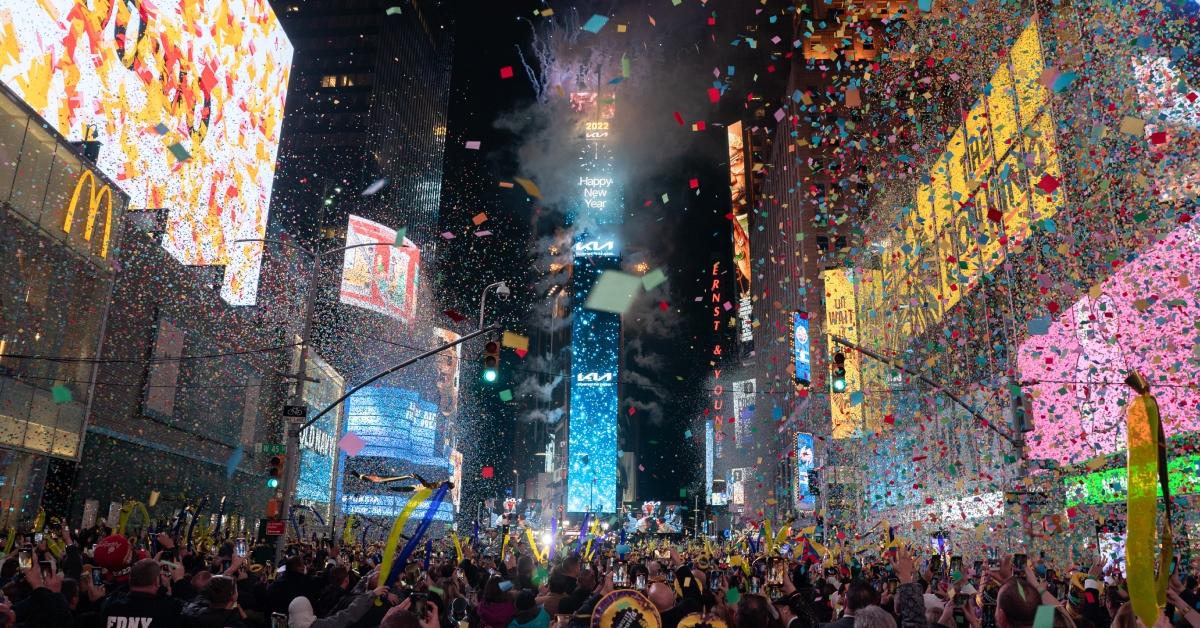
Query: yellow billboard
(841, 319)
(186, 98)
(997, 177)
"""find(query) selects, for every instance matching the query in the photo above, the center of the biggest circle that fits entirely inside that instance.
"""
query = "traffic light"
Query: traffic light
(491, 361)
(837, 380)
(274, 471)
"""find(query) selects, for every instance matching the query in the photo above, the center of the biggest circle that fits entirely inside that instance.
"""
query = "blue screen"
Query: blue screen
(389, 504)
(400, 432)
(804, 463)
(592, 440)
(316, 473)
(800, 348)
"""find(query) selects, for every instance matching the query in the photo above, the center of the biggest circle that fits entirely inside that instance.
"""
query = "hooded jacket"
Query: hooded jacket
(300, 613)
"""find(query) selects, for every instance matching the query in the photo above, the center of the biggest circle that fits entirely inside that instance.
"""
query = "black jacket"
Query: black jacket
(43, 608)
(199, 614)
(161, 611)
(286, 588)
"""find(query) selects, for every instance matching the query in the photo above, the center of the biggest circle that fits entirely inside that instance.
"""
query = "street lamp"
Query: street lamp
(502, 291)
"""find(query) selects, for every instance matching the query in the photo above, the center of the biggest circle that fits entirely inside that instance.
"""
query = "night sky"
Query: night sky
(673, 65)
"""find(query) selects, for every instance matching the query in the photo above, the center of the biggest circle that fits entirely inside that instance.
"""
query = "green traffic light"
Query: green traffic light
(839, 385)
(273, 483)
(489, 375)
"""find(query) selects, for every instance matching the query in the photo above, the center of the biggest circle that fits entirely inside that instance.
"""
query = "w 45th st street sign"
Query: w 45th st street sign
(272, 449)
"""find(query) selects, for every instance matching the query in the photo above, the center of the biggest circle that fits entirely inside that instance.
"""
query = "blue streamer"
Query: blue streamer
(582, 533)
(195, 518)
(428, 553)
(402, 559)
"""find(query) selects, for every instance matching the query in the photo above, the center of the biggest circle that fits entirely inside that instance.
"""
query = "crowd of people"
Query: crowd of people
(91, 578)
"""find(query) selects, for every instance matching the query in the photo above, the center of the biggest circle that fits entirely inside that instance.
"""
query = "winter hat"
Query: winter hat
(114, 553)
(300, 613)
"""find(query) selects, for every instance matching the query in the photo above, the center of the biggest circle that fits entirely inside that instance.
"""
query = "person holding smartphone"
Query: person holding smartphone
(143, 605)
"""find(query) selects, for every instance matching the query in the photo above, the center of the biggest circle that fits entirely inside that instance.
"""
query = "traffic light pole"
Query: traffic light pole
(930, 382)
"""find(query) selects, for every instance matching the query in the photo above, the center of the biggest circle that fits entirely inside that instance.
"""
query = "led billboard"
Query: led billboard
(1141, 318)
(801, 348)
(1112, 485)
(318, 443)
(805, 500)
(384, 278)
(592, 430)
(396, 424)
(186, 98)
(998, 175)
(738, 196)
(743, 410)
(388, 504)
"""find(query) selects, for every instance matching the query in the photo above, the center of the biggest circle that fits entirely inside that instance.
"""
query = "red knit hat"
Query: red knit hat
(114, 553)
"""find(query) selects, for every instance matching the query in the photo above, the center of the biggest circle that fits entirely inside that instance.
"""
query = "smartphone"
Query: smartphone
(669, 576)
(956, 564)
(240, 547)
(978, 568)
(775, 572)
(641, 582)
(935, 564)
(620, 575)
(714, 581)
(39, 537)
(97, 577)
(892, 585)
(419, 604)
(25, 558)
(960, 615)
(1018, 563)
(279, 620)
(755, 585)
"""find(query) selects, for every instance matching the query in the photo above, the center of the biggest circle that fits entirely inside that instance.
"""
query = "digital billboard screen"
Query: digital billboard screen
(186, 98)
(395, 424)
(382, 279)
(1141, 318)
(388, 504)
(801, 347)
(318, 443)
(805, 500)
(592, 430)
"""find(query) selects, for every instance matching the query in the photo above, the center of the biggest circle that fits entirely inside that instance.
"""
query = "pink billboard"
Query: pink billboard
(1142, 317)
(380, 278)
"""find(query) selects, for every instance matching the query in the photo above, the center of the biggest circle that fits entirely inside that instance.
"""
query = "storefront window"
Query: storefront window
(33, 173)
(12, 135)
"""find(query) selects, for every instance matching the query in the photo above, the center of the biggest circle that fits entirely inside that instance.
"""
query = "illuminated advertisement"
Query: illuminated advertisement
(841, 319)
(318, 443)
(709, 460)
(743, 410)
(456, 475)
(1141, 318)
(998, 175)
(592, 431)
(186, 98)
(741, 232)
(1111, 486)
(801, 347)
(1173, 122)
(448, 365)
(389, 504)
(595, 336)
(396, 424)
(805, 500)
(382, 279)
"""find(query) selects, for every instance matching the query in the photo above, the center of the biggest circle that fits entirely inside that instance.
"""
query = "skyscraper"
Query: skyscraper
(367, 106)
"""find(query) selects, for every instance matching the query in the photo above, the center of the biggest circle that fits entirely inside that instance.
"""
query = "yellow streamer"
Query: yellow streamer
(537, 553)
(1147, 459)
(12, 539)
(40, 521)
(347, 536)
(504, 547)
(458, 556)
(128, 509)
(393, 540)
(768, 538)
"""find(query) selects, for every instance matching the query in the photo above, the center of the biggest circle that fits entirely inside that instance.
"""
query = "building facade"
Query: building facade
(61, 229)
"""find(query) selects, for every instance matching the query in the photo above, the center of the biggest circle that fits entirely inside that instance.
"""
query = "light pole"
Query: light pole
(502, 291)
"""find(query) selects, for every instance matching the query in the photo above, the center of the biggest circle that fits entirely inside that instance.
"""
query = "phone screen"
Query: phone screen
(279, 620)
(956, 563)
(935, 563)
(25, 558)
(97, 577)
(37, 538)
(714, 581)
(241, 547)
(776, 574)
(1018, 563)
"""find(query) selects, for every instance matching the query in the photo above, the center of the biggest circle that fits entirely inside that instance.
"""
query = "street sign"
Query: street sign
(276, 528)
(272, 449)
(295, 412)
